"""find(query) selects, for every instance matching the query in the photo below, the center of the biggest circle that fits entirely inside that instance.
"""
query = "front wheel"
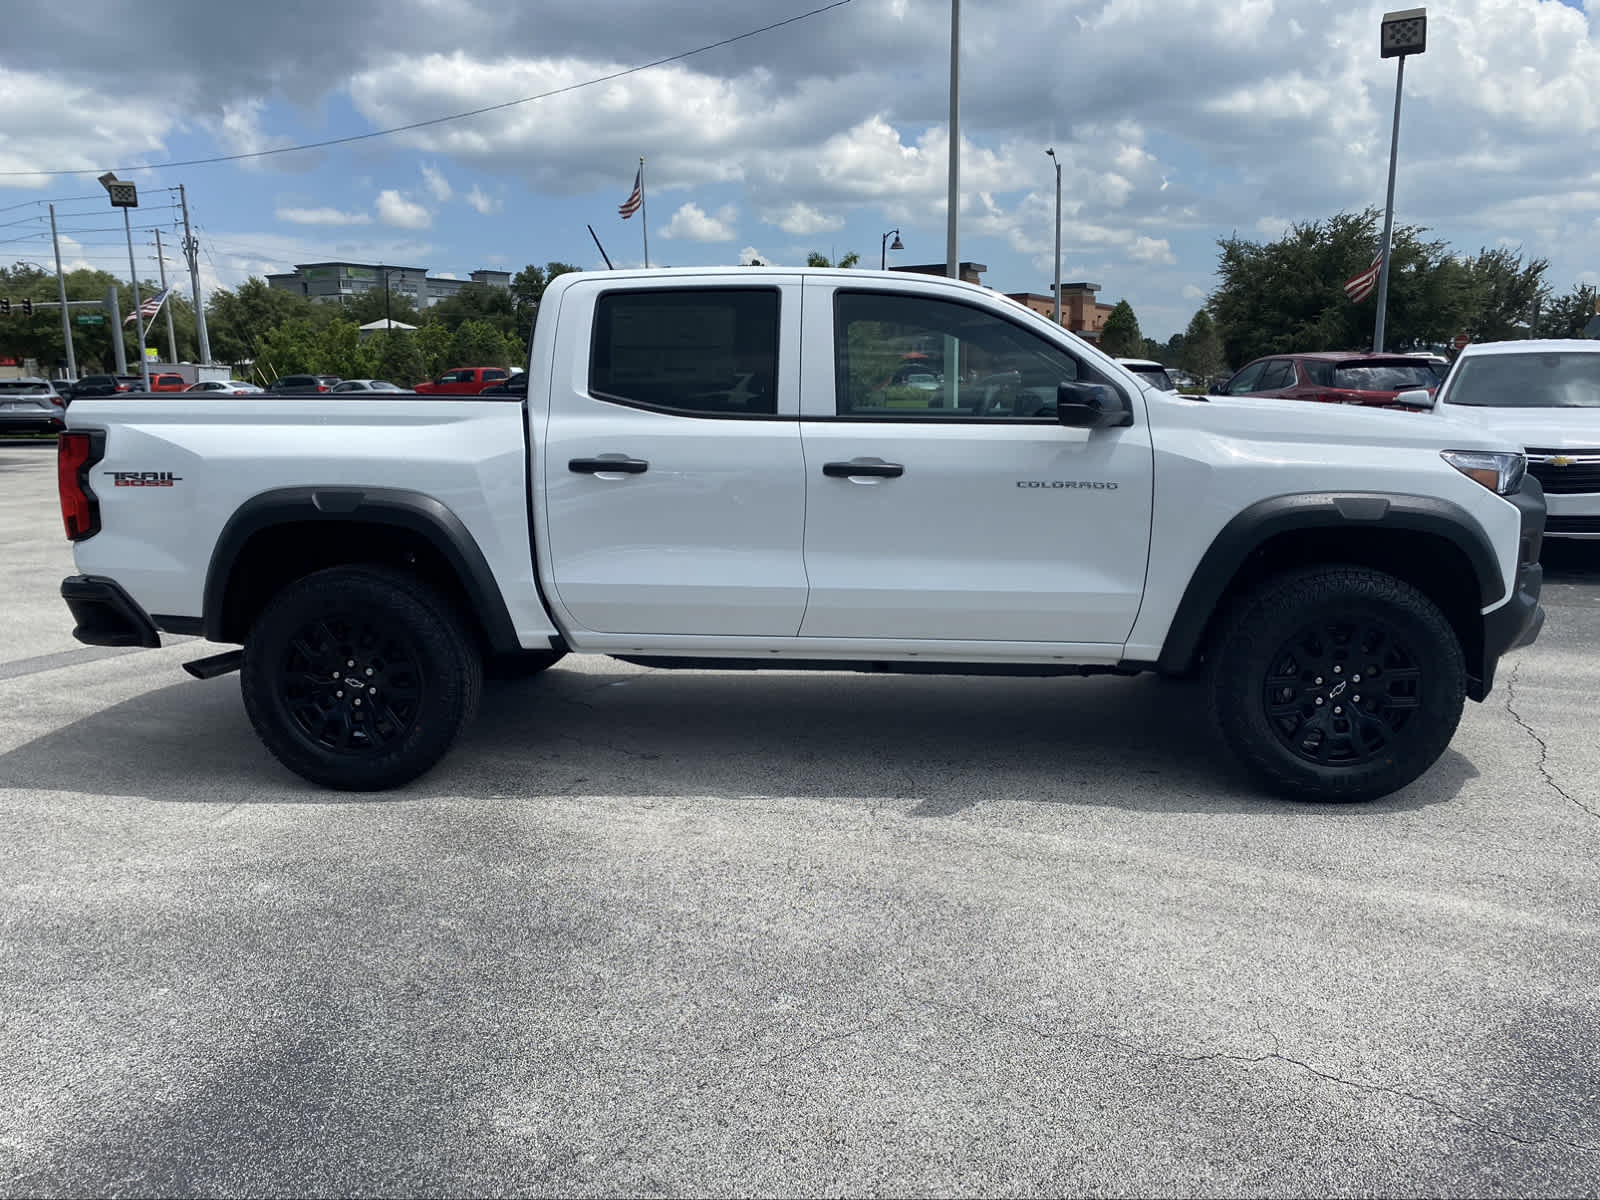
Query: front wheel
(1337, 683)
(359, 678)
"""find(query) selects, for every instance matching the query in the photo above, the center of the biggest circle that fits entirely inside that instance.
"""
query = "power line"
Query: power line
(460, 116)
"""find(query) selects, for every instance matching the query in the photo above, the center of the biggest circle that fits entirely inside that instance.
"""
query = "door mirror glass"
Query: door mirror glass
(1091, 405)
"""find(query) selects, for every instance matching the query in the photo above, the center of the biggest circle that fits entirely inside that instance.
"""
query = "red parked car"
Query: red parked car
(463, 381)
(1333, 377)
(167, 381)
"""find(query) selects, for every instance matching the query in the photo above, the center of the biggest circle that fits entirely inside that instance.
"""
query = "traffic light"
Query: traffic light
(5, 308)
(27, 307)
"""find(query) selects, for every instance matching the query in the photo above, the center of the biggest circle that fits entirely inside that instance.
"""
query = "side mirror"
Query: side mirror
(1091, 406)
(1415, 398)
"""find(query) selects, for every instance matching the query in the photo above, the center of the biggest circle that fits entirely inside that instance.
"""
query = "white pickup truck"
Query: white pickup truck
(726, 469)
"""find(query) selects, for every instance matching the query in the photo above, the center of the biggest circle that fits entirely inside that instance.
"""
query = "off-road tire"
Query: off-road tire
(1315, 634)
(360, 678)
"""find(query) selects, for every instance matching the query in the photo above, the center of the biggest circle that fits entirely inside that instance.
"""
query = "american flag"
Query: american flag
(631, 205)
(150, 307)
(1359, 286)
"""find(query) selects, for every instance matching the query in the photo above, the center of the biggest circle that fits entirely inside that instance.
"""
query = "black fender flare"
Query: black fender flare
(412, 511)
(1270, 518)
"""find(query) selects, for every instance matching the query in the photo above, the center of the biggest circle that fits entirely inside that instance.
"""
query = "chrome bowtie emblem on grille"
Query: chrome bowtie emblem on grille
(1560, 460)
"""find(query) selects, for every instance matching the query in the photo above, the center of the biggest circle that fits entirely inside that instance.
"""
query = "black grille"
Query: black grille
(1580, 477)
(1572, 525)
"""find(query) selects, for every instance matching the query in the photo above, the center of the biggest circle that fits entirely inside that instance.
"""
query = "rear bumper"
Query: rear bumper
(105, 614)
(1517, 622)
(41, 422)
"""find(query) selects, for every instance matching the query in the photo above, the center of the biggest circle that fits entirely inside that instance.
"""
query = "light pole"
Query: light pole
(125, 195)
(884, 248)
(952, 250)
(1052, 153)
(1401, 33)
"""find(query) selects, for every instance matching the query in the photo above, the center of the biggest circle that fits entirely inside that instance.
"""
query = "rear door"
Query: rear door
(965, 513)
(673, 478)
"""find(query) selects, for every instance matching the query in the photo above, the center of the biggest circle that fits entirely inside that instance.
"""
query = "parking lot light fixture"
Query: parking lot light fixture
(125, 195)
(884, 248)
(1400, 34)
(1052, 153)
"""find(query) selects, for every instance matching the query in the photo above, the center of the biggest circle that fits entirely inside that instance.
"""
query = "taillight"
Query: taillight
(75, 454)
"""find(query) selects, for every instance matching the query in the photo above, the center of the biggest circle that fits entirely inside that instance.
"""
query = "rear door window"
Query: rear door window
(1245, 381)
(694, 351)
(1278, 374)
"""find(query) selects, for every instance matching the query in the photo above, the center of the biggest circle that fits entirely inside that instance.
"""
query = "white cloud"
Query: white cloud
(750, 255)
(322, 216)
(239, 130)
(483, 202)
(402, 212)
(801, 219)
(691, 223)
(1190, 292)
(438, 186)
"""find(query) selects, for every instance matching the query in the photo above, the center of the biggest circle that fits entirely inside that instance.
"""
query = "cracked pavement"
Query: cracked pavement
(684, 933)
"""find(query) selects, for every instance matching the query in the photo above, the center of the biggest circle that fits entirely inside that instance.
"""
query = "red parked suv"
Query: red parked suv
(1333, 378)
(167, 381)
(463, 381)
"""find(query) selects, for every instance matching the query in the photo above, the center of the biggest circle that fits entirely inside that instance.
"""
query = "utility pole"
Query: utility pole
(61, 289)
(118, 349)
(191, 250)
(172, 338)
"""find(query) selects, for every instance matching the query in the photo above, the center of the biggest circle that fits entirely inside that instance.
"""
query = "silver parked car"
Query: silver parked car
(370, 385)
(30, 406)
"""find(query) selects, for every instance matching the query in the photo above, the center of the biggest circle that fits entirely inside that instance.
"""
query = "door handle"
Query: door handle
(598, 466)
(843, 470)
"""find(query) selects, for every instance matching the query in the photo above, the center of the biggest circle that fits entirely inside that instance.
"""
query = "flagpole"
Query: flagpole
(138, 317)
(644, 217)
(172, 338)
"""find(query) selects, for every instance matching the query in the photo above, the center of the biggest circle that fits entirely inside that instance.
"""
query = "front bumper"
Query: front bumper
(105, 614)
(1517, 622)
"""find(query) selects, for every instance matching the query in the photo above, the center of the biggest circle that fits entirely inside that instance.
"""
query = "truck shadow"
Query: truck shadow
(927, 746)
(1570, 561)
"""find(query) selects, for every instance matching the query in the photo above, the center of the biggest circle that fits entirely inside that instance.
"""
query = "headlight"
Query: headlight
(1500, 473)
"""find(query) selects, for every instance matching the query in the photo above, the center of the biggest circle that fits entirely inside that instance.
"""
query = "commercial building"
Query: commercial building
(1080, 311)
(335, 282)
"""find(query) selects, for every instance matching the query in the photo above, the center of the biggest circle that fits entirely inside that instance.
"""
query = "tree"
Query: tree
(1202, 350)
(478, 344)
(340, 351)
(1565, 316)
(370, 305)
(238, 321)
(292, 348)
(433, 347)
(818, 259)
(527, 289)
(477, 302)
(394, 356)
(1287, 296)
(1121, 336)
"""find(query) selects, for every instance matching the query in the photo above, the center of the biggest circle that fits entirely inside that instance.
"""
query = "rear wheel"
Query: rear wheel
(359, 678)
(1337, 683)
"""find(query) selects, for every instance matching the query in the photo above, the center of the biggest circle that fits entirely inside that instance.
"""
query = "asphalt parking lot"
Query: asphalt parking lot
(670, 933)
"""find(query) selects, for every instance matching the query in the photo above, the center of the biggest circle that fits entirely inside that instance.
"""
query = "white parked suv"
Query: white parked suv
(709, 469)
(1545, 397)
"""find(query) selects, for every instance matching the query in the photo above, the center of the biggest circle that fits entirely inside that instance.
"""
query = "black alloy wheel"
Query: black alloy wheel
(1340, 693)
(351, 683)
(360, 678)
(1336, 683)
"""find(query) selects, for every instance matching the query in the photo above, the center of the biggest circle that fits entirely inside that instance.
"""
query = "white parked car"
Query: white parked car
(1151, 372)
(1544, 396)
(224, 387)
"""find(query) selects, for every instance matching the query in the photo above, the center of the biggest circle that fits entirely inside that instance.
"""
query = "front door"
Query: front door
(948, 503)
(672, 472)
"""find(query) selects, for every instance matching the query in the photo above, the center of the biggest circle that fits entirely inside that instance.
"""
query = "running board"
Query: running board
(217, 664)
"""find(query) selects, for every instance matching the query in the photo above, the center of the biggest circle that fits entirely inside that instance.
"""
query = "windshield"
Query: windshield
(1528, 381)
(1155, 376)
(1383, 378)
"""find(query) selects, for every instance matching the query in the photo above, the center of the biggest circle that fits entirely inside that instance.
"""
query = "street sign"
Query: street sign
(91, 318)
(1461, 341)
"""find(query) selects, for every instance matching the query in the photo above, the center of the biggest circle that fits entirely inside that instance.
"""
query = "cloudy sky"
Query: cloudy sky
(1178, 122)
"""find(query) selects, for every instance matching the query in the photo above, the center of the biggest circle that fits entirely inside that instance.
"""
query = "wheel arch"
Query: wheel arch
(1427, 542)
(285, 534)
